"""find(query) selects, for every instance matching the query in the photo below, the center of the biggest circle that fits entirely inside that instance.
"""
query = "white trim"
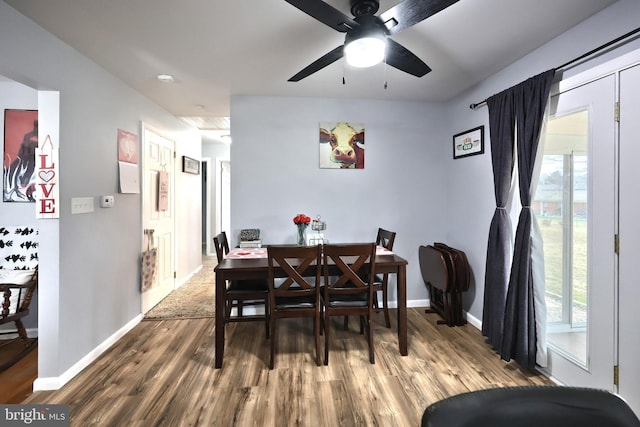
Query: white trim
(188, 277)
(55, 383)
(613, 66)
(31, 333)
(207, 221)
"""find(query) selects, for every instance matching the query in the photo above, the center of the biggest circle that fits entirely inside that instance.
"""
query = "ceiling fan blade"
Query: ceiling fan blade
(410, 12)
(319, 64)
(326, 14)
(401, 58)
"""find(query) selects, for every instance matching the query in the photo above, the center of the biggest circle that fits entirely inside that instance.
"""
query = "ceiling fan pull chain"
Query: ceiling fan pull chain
(385, 70)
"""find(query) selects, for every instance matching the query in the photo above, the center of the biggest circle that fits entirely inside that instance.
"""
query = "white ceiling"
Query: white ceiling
(219, 48)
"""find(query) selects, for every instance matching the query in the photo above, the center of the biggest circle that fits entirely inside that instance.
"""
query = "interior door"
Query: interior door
(576, 202)
(629, 229)
(158, 217)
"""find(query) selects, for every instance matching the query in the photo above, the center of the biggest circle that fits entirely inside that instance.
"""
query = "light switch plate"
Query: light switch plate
(80, 205)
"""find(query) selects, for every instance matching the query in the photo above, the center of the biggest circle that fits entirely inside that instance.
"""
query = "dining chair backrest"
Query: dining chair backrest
(385, 238)
(222, 245)
(348, 288)
(299, 267)
(355, 263)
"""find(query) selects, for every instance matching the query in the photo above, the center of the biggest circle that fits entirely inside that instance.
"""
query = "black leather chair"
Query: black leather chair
(533, 406)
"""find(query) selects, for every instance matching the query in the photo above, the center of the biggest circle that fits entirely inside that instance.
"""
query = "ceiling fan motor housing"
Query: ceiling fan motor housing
(364, 7)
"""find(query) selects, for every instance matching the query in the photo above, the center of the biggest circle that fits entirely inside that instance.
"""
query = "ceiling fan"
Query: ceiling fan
(366, 29)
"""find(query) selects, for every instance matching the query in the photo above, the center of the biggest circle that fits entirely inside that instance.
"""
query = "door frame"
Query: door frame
(611, 67)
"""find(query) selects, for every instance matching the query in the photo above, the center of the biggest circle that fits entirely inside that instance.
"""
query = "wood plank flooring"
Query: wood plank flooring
(16, 382)
(161, 374)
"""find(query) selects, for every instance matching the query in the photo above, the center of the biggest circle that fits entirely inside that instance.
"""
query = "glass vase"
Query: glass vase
(301, 229)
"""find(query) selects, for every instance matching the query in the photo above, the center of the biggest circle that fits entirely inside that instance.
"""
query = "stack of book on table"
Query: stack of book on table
(250, 238)
(257, 243)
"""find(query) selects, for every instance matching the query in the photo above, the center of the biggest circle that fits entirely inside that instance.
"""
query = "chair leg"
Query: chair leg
(370, 340)
(346, 323)
(239, 308)
(327, 326)
(316, 332)
(272, 357)
(385, 302)
(22, 332)
(267, 317)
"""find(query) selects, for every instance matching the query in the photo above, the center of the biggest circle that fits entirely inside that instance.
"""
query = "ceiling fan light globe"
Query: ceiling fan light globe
(365, 51)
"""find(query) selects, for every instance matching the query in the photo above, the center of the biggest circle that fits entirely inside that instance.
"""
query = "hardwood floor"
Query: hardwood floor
(161, 374)
(16, 382)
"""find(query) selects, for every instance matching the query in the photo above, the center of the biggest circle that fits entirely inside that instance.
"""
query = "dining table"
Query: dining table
(251, 263)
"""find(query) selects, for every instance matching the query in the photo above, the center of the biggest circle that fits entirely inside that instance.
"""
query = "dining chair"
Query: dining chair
(296, 270)
(385, 238)
(348, 287)
(241, 293)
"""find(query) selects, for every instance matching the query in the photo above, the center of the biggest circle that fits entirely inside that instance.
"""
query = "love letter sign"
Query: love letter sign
(47, 179)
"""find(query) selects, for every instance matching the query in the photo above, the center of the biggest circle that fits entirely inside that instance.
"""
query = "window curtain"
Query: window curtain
(523, 310)
(519, 340)
(502, 131)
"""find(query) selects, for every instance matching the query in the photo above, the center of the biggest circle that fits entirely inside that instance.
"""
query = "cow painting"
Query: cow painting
(341, 145)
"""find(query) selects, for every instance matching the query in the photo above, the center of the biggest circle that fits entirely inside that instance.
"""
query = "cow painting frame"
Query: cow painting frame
(20, 144)
(468, 143)
(341, 145)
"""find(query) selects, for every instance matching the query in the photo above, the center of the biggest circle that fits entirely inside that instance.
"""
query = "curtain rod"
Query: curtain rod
(581, 57)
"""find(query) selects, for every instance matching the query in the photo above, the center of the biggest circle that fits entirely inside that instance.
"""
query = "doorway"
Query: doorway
(576, 204)
(158, 218)
(592, 328)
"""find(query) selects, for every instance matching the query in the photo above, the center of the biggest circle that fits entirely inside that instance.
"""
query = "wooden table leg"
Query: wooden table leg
(220, 297)
(402, 309)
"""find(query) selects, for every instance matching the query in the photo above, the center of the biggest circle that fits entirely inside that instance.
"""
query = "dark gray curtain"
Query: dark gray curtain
(519, 340)
(501, 129)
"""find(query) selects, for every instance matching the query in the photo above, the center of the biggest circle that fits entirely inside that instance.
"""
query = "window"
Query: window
(561, 208)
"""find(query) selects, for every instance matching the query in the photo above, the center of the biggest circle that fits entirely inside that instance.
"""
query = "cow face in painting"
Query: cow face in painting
(344, 143)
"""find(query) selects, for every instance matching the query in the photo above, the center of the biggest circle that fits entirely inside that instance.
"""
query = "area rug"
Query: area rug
(194, 299)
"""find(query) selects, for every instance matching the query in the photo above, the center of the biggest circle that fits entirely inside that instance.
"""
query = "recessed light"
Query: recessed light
(167, 78)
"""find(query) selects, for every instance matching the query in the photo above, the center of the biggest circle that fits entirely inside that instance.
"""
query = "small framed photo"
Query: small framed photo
(468, 143)
(190, 165)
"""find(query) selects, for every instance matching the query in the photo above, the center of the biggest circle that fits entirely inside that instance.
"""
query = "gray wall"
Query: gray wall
(471, 202)
(89, 286)
(276, 174)
(410, 183)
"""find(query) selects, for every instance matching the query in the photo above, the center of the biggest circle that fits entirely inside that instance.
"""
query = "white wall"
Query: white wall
(89, 263)
(276, 174)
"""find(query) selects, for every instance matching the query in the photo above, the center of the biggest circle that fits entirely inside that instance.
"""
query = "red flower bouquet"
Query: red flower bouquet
(301, 219)
(302, 222)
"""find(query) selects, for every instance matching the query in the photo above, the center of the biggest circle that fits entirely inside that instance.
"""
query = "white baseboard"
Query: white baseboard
(189, 276)
(54, 383)
(31, 333)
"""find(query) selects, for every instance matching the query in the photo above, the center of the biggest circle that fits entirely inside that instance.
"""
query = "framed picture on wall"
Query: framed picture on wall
(468, 143)
(341, 145)
(190, 165)
(20, 143)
